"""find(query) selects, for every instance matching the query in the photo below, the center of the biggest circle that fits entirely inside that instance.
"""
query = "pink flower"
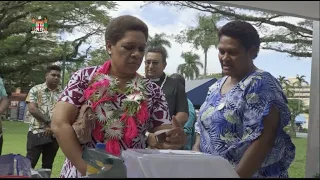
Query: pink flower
(97, 132)
(143, 113)
(104, 99)
(113, 147)
(131, 131)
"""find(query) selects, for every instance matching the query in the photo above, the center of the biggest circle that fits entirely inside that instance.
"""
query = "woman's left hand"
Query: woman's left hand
(176, 137)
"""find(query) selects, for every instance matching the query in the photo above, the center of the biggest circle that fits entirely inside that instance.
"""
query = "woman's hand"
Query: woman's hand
(176, 137)
(196, 146)
(152, 141)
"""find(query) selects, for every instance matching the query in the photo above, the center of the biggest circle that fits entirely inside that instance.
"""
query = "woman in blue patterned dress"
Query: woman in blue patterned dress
(243, 116)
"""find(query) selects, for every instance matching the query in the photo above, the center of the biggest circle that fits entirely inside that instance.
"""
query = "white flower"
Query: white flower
(135, 97)
(104, 112)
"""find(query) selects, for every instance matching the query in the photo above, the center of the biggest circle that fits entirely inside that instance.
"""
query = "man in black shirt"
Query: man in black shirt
(155, 63)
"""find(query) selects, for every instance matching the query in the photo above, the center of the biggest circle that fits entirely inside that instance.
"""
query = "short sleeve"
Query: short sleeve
(262, 93)
(3, 92)
(181, 99)
(79, 81)
(32, 95)
(259, 97)
(159, 110)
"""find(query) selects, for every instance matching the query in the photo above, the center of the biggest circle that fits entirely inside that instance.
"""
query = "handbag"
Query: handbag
(84, 124)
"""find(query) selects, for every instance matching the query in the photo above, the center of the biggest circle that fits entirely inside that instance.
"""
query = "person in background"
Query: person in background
(41, 100)
(4, 104)
(243, 116)
(126, 104)
(175, 94)
(189, 126)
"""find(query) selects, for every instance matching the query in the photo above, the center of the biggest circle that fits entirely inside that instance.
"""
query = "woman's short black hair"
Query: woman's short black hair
(244, 32)
(120, 25)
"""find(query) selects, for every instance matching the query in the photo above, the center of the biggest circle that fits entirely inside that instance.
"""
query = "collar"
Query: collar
(161, 79)
(45, 87)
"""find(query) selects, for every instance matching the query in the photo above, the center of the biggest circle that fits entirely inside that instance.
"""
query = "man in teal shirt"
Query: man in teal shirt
(189, 126)
(4, 103)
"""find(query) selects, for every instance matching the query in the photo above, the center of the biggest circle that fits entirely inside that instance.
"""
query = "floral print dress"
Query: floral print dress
(157, 106)
(229, 123)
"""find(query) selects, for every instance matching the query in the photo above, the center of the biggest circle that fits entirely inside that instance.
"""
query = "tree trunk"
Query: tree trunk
(293, 133)
(205, 61)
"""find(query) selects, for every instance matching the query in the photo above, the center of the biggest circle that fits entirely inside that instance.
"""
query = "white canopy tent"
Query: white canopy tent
(307, 10)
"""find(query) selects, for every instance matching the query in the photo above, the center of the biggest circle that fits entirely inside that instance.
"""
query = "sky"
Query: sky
(171, 21)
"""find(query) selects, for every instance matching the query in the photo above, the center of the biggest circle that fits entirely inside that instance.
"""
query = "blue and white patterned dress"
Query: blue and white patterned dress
(228, 123)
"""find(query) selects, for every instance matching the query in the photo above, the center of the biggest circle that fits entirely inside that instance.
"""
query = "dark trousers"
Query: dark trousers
(1, 142)
(48, 152)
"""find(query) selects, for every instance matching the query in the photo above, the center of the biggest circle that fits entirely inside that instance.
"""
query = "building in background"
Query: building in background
(303, 94)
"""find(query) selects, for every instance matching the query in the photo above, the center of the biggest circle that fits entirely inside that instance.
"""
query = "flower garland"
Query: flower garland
(113, 125)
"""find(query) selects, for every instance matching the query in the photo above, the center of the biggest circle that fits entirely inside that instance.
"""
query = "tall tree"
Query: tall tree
(190, 69)
(287, 37)
(296, 107)
(23, 53)
(98, 57)
(204, 36)
(159, 40)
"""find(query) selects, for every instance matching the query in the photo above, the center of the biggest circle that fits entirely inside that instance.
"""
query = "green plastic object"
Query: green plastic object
(99, 162)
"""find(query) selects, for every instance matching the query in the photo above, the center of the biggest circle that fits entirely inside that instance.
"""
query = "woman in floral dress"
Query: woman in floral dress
(243, 116)
(126, 104)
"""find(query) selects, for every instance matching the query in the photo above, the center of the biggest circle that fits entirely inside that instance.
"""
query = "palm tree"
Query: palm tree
(204, 36)
(190, 69)
(300, 82)
(159, 40)
(283, 81)
(287, 88)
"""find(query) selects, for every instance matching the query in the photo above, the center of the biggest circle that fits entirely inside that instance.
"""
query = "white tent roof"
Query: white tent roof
(302, 9)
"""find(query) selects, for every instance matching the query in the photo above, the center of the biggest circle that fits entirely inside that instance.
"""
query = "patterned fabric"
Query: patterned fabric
(157, 106)
(228, 123)
(189, 126)
(45, 100)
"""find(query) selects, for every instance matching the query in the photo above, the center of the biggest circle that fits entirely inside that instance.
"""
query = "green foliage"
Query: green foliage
(304, 130)
(190, 69)
(98, 57)
(204, 35)
(23, 55)
(294, 39)
(159, 40)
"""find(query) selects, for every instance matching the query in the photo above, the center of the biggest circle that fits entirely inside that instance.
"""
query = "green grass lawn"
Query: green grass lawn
(15, 138)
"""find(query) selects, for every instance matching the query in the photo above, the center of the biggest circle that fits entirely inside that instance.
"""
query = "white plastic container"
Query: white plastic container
(150, 163)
